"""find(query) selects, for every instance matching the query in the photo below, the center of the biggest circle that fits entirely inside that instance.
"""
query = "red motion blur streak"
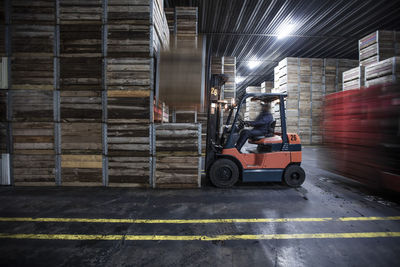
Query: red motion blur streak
(362, 135)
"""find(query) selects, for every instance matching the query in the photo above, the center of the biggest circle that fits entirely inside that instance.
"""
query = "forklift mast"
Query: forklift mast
(213, 117)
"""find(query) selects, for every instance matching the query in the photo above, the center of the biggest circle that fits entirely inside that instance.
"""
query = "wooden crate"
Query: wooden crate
(32, 105)
(33, 12)
(177, 155)
(35, 73)
(177, 172)
(81, 138)
(266, 87)
(129, 73)
(34, 154)
(378, 46)
(129, 171)
(129, 154)
(81, 12)
(79, 106)
(128, 140)
(386, 71)
(128, 106)
(40, 44)
(81, 170)
(354, 78)
(34, 169)
(217, 65)
(128, 12)
(80, 40)
(129, 40)
(186, 21)
(80, 73)
(33, 138)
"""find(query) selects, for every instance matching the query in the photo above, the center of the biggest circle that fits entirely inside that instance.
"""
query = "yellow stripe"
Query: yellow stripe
(198, 237)
(194, 221)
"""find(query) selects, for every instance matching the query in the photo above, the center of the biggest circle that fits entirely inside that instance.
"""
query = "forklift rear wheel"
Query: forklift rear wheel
(294, 176)
(224, 173)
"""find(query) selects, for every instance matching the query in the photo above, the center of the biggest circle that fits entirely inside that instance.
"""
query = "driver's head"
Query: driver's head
(266, 107)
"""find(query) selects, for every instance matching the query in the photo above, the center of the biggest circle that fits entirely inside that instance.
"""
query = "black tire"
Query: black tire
(224, 173)
(294, 176)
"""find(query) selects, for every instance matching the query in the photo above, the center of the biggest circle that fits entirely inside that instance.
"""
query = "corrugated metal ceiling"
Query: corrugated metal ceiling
(247, 28)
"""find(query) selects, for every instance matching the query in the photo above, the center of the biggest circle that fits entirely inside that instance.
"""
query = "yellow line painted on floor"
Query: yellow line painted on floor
(197, 221)
(198, 237)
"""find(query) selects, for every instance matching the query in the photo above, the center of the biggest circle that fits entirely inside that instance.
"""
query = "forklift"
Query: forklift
(276, 159)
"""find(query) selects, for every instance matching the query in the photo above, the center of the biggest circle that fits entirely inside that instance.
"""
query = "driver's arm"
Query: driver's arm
(261, 120)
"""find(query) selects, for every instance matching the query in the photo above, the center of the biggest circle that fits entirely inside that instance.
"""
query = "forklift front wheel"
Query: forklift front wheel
(294, 176)
(224, 173)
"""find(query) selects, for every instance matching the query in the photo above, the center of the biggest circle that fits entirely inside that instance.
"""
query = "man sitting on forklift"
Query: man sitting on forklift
(261, 126)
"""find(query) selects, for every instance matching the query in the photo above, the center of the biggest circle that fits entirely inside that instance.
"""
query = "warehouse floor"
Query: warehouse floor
(347, 234)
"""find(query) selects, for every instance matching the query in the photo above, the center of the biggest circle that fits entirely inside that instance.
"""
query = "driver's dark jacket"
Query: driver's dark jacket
(262, 122)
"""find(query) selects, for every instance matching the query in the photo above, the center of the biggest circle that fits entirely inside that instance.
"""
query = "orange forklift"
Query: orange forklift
(276, 159)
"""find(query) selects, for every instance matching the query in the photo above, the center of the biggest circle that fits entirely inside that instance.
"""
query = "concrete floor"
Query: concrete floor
(323, 195)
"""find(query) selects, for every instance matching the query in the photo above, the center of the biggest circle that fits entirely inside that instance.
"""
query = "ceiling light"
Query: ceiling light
(239, 79)
(285, 30)
(253, 64)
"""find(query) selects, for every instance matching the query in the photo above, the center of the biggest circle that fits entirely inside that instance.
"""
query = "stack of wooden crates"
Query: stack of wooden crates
(306, 81)
(377, 58)
(81, 95)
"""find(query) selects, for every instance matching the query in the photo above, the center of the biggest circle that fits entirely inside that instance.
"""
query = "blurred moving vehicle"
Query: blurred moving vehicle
(362, 135)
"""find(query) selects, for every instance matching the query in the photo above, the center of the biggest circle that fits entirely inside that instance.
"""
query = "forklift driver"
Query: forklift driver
(261, 126)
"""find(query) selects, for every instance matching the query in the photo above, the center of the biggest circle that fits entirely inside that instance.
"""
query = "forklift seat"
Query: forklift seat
(269, 138)
(262, 140)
